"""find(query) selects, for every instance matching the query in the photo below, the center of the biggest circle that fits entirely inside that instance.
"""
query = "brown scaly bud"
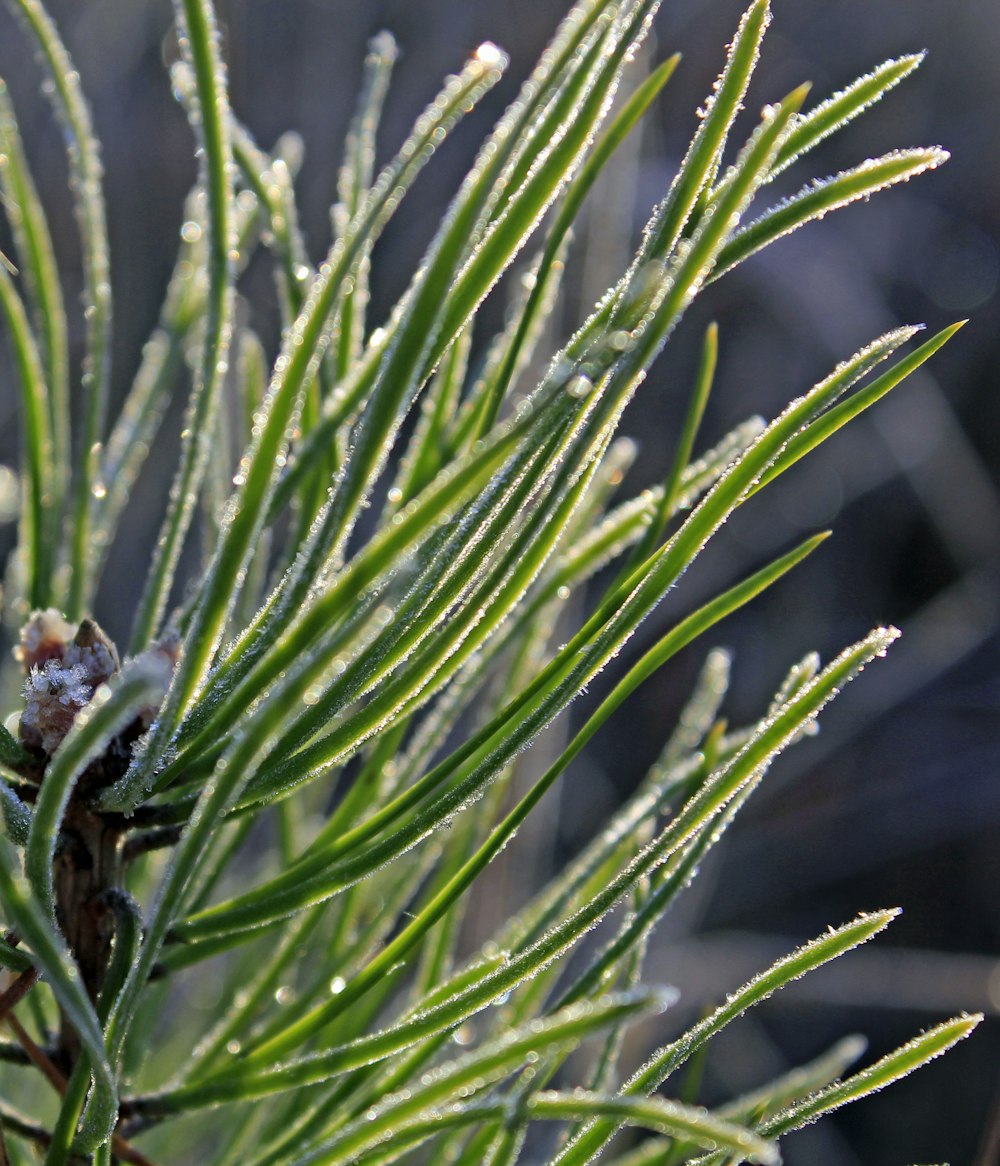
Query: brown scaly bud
(94, 651)
(44, 637)
(65, 666)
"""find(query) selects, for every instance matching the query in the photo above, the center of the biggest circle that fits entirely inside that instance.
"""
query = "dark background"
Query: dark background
(897, 801)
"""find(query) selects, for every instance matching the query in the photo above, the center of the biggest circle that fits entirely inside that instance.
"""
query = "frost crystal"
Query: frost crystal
(54, 693)
(65, 664)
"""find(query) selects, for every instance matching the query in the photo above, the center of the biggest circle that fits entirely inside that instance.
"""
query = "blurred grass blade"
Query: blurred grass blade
(617, 617)
(259, 467)
(666, 884)
(33, 243)
(836, 417)
(588, 1143)
(905, 1060)
(459, 97)
(665, 1116)
(569, 207)
(211, 124)
(819, 123)
(667, 503)
(655, 1114)
(501, 835)
(439, 304)
(699, 713)
(86, 172)
(752, 1108)
(885, 1071)
(411, 555)
(797, 1083)
(702, 159)
(656, 293)
(353, 183)
(378, 557)
(135, 429)
(12, 959)
(40, 531)
(473, 1072)
(697, 814)
(819, 198)
(427, 452)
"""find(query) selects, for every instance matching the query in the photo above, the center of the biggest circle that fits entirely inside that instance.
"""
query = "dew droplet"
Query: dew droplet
(490, 55)
(463, 1035)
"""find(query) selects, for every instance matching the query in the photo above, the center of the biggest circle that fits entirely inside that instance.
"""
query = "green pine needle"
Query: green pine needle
(277, 822)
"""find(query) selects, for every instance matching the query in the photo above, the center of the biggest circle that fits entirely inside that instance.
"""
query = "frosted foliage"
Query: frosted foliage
(299, 817)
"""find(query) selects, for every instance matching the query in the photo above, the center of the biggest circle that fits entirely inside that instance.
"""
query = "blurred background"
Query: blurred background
(897, 801)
